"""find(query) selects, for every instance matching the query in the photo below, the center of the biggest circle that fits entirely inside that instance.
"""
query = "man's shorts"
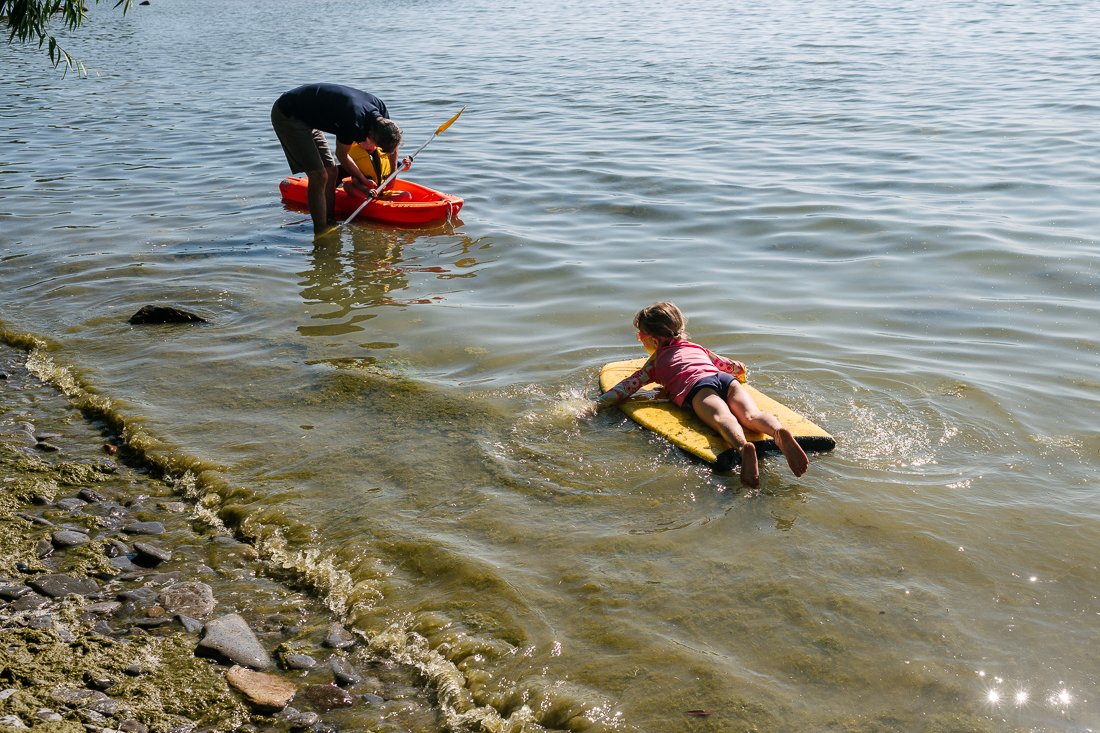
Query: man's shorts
(719, 382)
(306, 149)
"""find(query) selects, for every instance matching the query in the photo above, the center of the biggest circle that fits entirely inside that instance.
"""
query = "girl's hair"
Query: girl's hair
(662, 320)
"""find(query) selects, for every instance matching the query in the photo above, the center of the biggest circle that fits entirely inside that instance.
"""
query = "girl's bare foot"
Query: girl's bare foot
(750, 471)
(792, 451)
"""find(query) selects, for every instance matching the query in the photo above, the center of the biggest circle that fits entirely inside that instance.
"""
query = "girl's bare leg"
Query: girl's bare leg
(745, 409)
(713, 410)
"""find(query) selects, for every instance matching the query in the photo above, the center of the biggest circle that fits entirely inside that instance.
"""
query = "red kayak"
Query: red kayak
(404, 203)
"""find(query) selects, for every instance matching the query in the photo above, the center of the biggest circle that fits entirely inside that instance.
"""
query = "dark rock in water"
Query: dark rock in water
(30, 602)
(192, 625)
(190, 598)
(43, 549)
(338, 637)
(345, 674)
(13, 592)
(91, 496)
(298, 661)
(69, 538)
(328, 697)
(229, 637)
(149, 555)
(154, 314)
(297, 720)
(144, 528)
(56, 586)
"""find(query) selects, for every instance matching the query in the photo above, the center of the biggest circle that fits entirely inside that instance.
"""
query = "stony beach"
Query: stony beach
(122, 608)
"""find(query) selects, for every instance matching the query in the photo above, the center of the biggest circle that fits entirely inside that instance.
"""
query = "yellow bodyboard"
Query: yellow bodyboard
(682, 428)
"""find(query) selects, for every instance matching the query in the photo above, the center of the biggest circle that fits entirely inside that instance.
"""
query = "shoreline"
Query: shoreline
(122, 607)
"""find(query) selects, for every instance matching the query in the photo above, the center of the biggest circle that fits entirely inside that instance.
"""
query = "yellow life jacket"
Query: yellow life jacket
(374, 165)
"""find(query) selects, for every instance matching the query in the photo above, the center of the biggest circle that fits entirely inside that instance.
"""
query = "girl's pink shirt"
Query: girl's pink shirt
(676, 366)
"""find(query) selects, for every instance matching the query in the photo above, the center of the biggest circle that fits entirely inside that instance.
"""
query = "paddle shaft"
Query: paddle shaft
(397, 169)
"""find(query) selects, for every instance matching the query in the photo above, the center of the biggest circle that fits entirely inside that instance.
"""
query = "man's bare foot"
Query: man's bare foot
(792, 451)
(750, 470)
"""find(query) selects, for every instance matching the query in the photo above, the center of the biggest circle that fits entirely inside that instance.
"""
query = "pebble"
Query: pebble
(33, 519)
(189, 598)
(264, 692)
(58, 585)
(296, 719)
(115, 548)
(69, 538)
(328, 697)
(345, 674)
(149, 554)
(299, 661)
(43, 549)
(230, 637)
(338, 637)
(13, 592)
(91, 496)
(144, 528)
(191, 625)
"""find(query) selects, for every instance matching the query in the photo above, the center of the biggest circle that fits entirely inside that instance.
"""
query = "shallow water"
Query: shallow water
(888, 213)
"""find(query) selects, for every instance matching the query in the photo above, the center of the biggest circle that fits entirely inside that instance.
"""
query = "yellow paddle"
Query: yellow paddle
(393, 175)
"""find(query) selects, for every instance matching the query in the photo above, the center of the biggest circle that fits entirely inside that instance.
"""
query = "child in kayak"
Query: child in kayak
(707, 383)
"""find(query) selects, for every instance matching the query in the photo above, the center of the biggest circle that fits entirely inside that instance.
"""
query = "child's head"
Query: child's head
(661, 320)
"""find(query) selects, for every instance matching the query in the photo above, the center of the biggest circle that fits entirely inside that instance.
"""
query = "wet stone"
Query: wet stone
(46, 447)
(229, 637)
(142, 597)
(13, 592)
(160, 314)
(34, 519)
(103, 608)
(69, 538)
(91, 496)
(337, 637)
(328, 697)
(123, 564)
(89, 700)
(58, 585)
(344, 673)
(149, 554)
(43, 549)
(299, 661)
(191, 625)
(71, 504)
(297, 720)
(30, 602)
(115, 548)
(144, 528)
(189, 598)
(371, 699)
(264, 692)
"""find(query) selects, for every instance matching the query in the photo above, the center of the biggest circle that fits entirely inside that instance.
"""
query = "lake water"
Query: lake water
(888, 210)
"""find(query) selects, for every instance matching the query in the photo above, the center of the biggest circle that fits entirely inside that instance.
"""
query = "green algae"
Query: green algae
(157, 679)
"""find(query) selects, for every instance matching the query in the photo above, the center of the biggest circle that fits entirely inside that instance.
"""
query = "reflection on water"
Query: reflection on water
(366, 268)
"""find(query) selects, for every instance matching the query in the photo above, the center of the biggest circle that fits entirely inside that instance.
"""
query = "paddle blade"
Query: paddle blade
(450, 122)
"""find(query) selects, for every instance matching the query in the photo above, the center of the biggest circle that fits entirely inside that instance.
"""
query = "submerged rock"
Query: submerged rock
(229, 637)
(56, 586)
(155, 314)
(189, 598)
(264, 692)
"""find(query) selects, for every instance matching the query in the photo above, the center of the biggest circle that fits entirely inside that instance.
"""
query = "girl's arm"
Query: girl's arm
(729, 366)
(627, 387)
